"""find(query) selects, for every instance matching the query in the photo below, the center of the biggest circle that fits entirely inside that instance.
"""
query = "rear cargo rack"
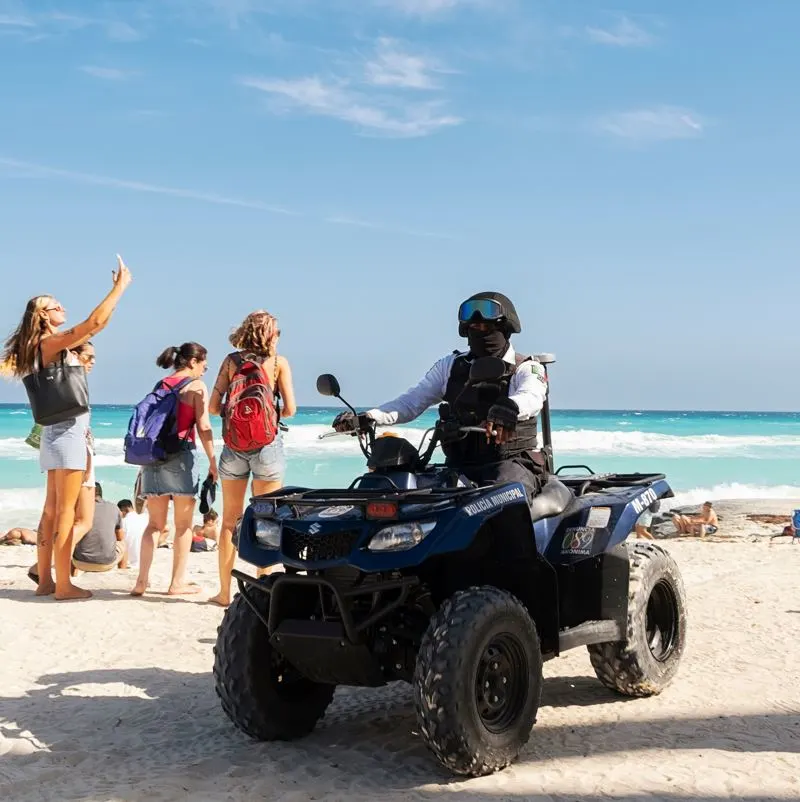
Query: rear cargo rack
(597, 482)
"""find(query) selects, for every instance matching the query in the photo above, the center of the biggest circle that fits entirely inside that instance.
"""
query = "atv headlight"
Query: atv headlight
(400, 537)
(268, 533)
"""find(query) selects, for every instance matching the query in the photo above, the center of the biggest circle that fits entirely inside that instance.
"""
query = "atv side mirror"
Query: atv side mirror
(487, 368)
(327, 384)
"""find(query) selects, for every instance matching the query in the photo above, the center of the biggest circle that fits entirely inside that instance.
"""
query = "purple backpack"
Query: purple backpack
(153, 428)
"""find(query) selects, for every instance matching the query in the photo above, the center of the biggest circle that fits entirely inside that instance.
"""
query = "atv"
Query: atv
(415, 573)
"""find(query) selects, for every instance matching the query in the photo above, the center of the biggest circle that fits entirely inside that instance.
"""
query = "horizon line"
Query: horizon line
(4, 404)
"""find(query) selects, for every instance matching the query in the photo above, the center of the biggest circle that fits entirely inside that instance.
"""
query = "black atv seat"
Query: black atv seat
(554, 498)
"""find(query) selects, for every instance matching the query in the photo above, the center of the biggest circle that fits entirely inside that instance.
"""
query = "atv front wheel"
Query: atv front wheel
(262, 694)
(647, 661)
(478, 681)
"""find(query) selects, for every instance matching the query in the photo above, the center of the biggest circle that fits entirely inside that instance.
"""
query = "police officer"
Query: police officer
(506, 408)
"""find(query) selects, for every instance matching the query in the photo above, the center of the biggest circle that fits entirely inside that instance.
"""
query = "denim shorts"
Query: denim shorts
(178, 476)
(63, 445)
(267, 465)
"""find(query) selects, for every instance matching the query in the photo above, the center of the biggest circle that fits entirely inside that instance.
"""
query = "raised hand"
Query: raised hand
(122, 276)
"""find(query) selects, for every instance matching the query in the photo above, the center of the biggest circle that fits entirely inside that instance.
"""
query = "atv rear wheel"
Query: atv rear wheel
(263, 695)
(647, 661)
(478, 681)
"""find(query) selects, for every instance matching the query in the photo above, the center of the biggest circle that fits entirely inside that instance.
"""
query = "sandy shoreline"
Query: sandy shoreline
(112, 699)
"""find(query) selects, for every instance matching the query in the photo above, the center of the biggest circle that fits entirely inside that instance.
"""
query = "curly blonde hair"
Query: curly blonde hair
(256, 334)
(19, 350)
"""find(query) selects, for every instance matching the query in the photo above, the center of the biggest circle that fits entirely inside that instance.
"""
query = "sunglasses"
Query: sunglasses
(483, 308)
(56, 308)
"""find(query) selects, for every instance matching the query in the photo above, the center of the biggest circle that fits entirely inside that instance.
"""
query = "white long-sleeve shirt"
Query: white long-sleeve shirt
(528, 388)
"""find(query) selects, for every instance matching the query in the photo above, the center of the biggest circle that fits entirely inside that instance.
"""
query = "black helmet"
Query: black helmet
(508, 314)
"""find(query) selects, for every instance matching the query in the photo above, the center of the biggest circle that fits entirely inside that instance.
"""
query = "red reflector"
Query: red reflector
(381, 509)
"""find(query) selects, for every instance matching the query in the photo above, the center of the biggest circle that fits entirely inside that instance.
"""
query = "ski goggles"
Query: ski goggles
(484, 308)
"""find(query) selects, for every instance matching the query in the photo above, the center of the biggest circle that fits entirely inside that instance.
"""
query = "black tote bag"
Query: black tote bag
(58, 392)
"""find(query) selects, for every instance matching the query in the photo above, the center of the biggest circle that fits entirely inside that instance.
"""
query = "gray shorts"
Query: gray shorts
(178, 476)
(266, 465)
(63, 445)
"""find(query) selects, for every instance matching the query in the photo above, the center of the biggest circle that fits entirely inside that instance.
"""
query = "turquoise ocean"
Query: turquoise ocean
(704, 454)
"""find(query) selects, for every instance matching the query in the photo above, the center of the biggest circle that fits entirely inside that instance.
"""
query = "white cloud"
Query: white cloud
(345, 220)
(657, 123)
(108, 73)
(425, 8)
(625, 33)
(393, 67)
(119, 31)
(32, 170)
(384, 116)
(15, 21)
(41, 171)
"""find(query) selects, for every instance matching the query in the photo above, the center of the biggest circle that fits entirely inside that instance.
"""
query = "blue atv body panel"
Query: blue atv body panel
(332, 528)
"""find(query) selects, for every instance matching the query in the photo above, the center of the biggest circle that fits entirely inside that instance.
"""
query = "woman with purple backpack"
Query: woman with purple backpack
(252, 383)
(176, 477)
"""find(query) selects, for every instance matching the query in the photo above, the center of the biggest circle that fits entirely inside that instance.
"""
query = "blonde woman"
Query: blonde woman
(256, 340)
(38, 342)
(84, 508)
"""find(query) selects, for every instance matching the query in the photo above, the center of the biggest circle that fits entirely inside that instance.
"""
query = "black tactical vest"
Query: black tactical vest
(469, 405)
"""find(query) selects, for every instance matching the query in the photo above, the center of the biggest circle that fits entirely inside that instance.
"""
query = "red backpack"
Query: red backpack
(250, 417)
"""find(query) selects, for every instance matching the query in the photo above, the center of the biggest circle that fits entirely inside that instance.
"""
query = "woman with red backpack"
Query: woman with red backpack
(252, 384)
(175, 475)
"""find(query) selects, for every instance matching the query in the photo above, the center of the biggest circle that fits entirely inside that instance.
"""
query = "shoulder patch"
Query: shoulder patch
(537, 369)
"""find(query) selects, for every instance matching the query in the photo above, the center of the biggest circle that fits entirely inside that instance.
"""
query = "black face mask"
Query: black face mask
(487, 343)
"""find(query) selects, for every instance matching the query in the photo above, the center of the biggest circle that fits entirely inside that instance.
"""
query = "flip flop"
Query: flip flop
(33, 576)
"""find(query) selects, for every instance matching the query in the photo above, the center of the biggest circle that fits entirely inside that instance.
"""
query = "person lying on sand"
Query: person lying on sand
(701, 525)
(206, 537)
(18, 536)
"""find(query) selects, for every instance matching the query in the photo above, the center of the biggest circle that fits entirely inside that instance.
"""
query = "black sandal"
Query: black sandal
(33, 576)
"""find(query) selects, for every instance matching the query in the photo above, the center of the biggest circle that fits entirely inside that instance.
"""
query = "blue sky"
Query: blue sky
(628, 174)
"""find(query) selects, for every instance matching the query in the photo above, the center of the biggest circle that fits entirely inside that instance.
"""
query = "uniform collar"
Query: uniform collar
(510, 356)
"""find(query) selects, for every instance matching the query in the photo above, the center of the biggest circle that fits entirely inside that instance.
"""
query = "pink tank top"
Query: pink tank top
(186, 415)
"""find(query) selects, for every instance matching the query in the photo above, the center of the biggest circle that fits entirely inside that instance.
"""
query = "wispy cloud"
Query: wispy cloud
(338, 100)
(119, 31)
(52, 23)
(40, 171)
(427, 8)
(345, 220)
(108, 73)
(33, 170)
(392, 66)
(654, 124)
(16, 21)
(625, 33)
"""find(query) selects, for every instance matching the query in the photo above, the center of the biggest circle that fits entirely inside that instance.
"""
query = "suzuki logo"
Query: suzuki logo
(313, 529)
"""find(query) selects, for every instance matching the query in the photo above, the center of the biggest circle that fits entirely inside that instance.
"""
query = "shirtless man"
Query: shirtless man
(699, 525)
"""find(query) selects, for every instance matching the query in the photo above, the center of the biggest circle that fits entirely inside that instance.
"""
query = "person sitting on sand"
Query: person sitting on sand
(642, 527)
(103, 546)
(206, 536)
(19, 536)
(133, 526)
(701, 525)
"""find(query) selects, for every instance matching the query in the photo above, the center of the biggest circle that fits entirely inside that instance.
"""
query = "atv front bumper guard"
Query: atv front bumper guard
(275, 587)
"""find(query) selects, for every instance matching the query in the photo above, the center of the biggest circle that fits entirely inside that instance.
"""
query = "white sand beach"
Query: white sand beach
(113, 699)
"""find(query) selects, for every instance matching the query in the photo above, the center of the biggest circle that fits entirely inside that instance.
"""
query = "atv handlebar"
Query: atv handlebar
(441, 431)
(354, 432)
